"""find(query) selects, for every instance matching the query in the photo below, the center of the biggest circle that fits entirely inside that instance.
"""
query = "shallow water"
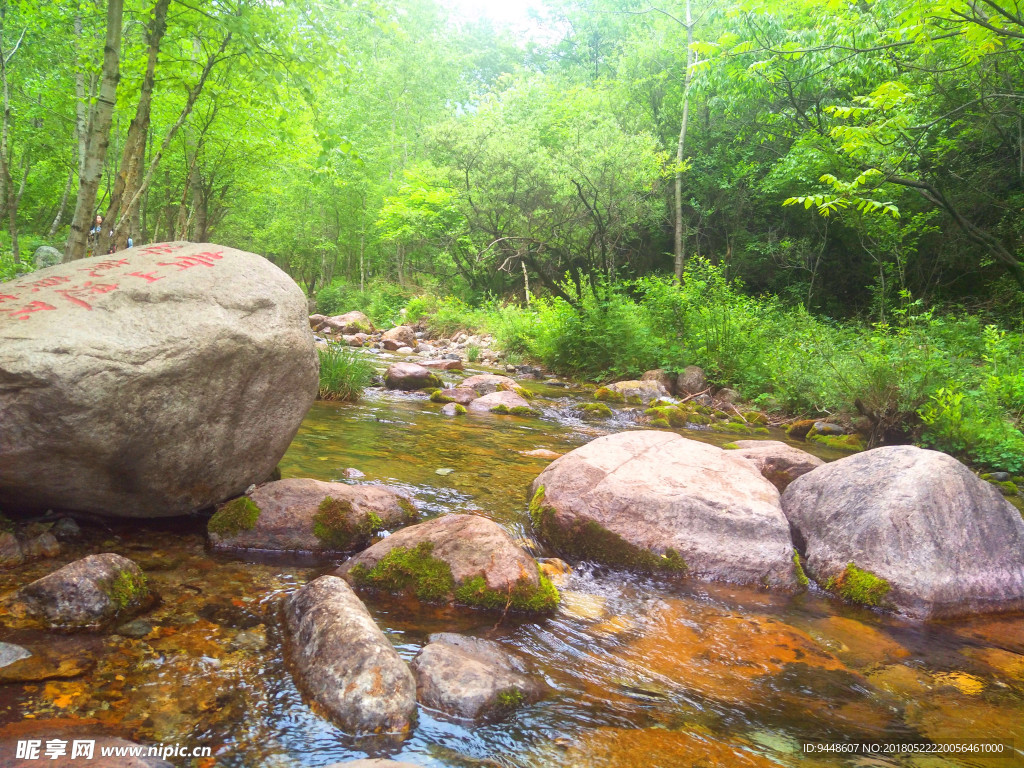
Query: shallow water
(644, 673)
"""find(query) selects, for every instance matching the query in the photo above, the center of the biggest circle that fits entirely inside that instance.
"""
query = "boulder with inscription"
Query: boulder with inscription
(156, 381)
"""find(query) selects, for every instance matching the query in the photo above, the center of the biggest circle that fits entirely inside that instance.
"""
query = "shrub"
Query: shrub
(344, 374)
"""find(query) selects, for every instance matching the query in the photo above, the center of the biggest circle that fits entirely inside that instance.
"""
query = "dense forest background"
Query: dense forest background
(704, 180)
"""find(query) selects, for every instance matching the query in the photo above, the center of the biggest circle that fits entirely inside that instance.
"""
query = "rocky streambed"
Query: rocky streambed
(630, 669)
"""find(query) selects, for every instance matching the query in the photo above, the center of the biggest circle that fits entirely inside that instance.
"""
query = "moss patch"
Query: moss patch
(675, 417)
(460, 409)
(801, 577)
(437, 397)
(408, 571)
(336, 524)
(730, 447)
(409, 511)
(608, 395)
(596, 410)
(128, 588)
(798, 429)
(515, 410)
(591, 541)
(524, 596)
(859, 586)
(236, 516)
(634, 400)
(843, 442)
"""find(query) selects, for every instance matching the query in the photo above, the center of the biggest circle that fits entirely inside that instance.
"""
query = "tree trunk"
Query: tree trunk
(127, 180)
(63, 204)
(99, 136)
(680, 244)
(193, 94)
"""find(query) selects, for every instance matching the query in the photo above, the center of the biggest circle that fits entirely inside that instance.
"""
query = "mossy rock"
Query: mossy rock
(234, 517)
(591, 541)
(670, 414)
(701, 419)
(524, 393)
(756, 417)
(596, 410)
(128, 589)
(798, 429)
(412, 571)
(516, 410)
(460, 409)
(634, 400)
(859, 586)
(801, 576)
(608, 395)
(730, 447)
(437, 397)
(336, 524)
(851, 443)
(524, 596)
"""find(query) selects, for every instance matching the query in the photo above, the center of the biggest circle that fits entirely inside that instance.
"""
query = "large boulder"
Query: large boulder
(658, 501)
(909, 529)
(153, 382)
(304, 515)
(464, 559)
(779, 462)
(410, 376)
(691, 381)
(87, 594)
(472, 678)
(345, 663)
(501, 402)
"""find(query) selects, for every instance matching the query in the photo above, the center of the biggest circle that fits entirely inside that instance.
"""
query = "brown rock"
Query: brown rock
(410, 376)
(41, 546)
(661, 376)
(357, 339)
(50, 661)
(345, 663)
(639, 391)
(315, 321)
(691, 381)
(470, 545)
(460, 395)
(654, 500)
(403, 335)
(486, 383)
(350, 322)
(304, 515)
(780, 463)
(444, 365)
(541, 453)
(947, 542)
(10, 551)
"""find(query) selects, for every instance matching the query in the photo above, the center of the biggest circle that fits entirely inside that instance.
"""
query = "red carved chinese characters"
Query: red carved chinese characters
(22, 313)
(75, 295)
(205, 259)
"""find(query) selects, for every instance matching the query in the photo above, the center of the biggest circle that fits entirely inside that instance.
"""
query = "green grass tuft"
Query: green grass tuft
(344, 374)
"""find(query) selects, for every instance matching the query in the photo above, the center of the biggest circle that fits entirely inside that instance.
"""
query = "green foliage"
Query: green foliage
(472, 353)
(510, 698)
(524, 596)
(412, 571)
(859, 586)
(344, 373)
(234, 517)
(382, 301)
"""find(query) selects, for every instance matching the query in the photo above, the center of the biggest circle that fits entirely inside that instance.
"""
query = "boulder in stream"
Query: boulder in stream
(398, 337)
(88, 594)
(909, 529)
(463, 559)
(657, 501)
(472, 678)
(305, 515)
(348, 323)
(410, 376)
(153, 382)
(486, 383)
(504, 403)
(638, 392)
(345, 663)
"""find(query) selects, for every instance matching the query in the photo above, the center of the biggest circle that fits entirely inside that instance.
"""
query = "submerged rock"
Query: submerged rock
(410, 376)
(472, 678)
(658, 501)
(345, 663)
(780, 463)
(84, 595)
(152, 382)
(304, 515)
(463, 559)
(909, 529)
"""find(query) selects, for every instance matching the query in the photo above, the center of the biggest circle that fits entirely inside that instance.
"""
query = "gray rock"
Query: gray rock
(304, 515)
(84, 595)
(656, 500)
(691, 381)
(43, 545)
(345, 663)
(156, 381)
(646, 390)
(137, 628)
(727, 395)
(780, 463)
(826, 428)
(66, 529)
(450, 409)
(10, 653)
(404, 350)
(662, 377)
(10, 551)
(946, 541)
(46, 256)
(410, 376)
(472, 547)
(471, 678)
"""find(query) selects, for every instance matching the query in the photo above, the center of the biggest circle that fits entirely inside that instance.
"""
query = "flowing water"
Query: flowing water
(643, 673)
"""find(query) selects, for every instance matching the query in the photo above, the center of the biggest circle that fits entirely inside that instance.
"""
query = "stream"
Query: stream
(644, 672)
